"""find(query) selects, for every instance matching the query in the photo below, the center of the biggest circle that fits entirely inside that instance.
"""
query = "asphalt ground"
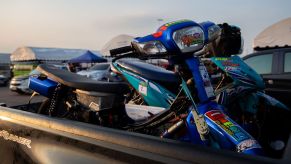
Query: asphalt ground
(13, 98)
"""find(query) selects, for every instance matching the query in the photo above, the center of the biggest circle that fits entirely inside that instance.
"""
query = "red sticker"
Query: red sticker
(229, 63)
(158, 34)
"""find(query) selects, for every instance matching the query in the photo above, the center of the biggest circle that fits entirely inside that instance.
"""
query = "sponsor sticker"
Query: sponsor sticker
(227, 125)
(221, 58)
(189, 40)
(206, 81)
(230, 64)
(142, 88)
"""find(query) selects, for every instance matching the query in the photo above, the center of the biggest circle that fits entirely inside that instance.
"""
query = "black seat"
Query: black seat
(149, 71)
(81, 82)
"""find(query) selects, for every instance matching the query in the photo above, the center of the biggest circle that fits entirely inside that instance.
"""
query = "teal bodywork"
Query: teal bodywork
(239, 71)
(152, 93)
(245, 78)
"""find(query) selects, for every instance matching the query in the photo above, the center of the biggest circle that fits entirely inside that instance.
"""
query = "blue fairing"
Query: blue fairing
(205, 26)
(201, 79)
(223, 129)
(165, 33)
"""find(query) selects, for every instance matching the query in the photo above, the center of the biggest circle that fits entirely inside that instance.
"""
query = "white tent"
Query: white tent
(4, 58)
(116, 42)
(276, 35)
(45, 54)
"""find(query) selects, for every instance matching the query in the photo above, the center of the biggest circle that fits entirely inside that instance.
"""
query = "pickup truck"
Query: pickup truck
(275, 67)
(27, 137)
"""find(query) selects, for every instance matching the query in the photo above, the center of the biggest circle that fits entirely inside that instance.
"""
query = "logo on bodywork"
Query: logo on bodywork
(143, 88)
(247, 144)
(227, 125)
(7, 136)
(230, 64)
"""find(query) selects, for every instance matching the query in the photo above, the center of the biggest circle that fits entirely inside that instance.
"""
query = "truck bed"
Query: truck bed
(26, 137)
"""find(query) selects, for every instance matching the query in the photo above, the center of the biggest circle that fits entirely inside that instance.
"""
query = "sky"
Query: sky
(89, 24)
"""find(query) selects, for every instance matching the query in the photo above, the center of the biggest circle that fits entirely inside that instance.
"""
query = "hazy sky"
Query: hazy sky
(89, 24)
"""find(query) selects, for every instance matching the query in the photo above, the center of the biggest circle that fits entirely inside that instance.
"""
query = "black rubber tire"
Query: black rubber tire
(43, 108)
(59, 112)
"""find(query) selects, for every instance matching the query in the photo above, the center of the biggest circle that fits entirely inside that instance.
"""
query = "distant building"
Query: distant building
(25, 59)
(116, 42)
(4, 58)
(274, 36)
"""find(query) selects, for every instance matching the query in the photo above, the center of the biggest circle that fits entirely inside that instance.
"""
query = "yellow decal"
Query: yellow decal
(176, 22)
(221, 58)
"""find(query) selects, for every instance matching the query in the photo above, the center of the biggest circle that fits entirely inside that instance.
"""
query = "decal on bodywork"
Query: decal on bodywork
(227, 125)
(247, 144)
(8, 136)
(143, 88)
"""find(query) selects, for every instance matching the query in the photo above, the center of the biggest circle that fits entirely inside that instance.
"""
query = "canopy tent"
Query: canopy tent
(276, 35)
(116, 42)
(23, 54)
(87, 57)
(4, 58)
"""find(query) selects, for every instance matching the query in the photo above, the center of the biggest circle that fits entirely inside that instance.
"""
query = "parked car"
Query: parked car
(5, 70)
(3, 80)
(275, 67)
(96, 72)
(20, 83)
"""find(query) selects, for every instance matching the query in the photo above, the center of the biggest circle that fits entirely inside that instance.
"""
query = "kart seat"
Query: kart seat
(149, 71)
(81, 82)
